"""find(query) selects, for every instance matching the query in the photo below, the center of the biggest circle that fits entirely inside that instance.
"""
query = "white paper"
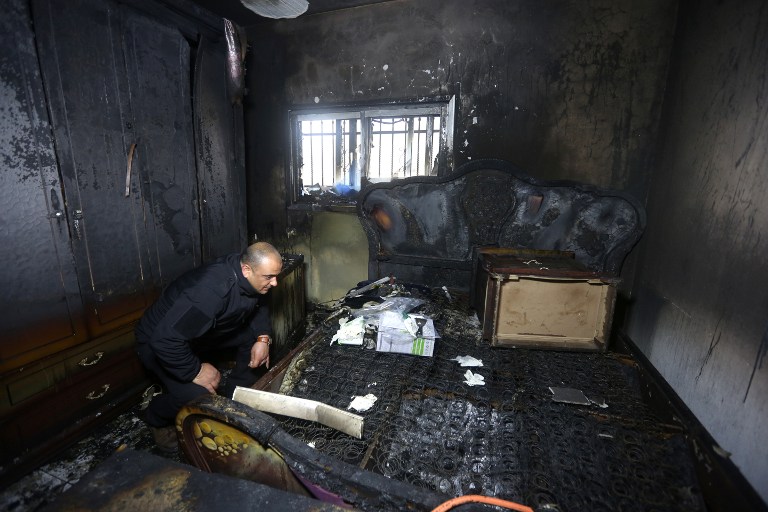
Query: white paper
(468, 361)
(350, 333)
(362, 403)
(474, 379)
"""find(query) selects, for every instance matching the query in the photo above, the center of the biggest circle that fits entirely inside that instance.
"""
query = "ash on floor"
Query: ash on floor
(41, 487)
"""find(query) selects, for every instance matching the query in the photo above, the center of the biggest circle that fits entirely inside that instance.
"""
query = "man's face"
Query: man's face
(264, 276)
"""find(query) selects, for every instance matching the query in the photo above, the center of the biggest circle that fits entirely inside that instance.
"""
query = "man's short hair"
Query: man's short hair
(256, 254)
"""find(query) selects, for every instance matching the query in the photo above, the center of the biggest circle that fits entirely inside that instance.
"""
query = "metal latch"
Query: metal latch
(77, 216)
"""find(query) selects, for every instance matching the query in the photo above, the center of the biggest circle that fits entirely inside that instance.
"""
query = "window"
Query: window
(337, 152)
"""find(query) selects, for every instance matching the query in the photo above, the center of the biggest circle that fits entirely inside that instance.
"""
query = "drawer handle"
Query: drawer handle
(84, 361)
(93, 396)
(128, 170)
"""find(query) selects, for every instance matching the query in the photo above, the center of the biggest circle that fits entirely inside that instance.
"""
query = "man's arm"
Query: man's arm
(261, 325)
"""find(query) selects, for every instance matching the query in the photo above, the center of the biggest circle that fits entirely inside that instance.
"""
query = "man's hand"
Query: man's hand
(208, 377)
(259, 355)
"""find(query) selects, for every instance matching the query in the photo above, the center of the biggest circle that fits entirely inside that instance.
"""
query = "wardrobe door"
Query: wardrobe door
(84, 73)
(157, 61)
(40, 309)
(218, 133)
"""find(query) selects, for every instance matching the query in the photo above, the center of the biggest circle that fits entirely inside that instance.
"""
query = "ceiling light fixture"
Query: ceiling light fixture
(277, 8)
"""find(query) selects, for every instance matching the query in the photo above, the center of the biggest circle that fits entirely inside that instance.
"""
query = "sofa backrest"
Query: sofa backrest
(425, 229)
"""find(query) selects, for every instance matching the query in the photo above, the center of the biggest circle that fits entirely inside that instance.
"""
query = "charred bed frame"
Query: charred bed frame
(425, 229)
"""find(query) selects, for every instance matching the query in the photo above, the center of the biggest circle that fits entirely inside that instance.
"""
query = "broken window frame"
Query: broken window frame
(354, 146)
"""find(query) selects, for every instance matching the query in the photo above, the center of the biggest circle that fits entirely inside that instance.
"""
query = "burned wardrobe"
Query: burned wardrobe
(121, 169)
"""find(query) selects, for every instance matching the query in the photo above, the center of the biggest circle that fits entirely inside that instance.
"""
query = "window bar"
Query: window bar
(365, 146)
(419, 144)
(298, 150)
(339, 153)
(392, 151)
(321, 152)
(428, 150)
(377, 131)
(298, 179)
(317, 135)
(354, 163)
(408, 156)
(311, 155)
(332, 147)
(423, 147)
(405, 148)
(372, 147)
(323, 136)
(379, 148)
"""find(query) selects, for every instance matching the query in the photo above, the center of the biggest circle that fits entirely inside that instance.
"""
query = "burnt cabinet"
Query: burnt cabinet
(119, 97)
(104, 191)
(40, 307)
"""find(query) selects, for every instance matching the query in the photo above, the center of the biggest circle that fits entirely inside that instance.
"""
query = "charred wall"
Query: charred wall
(701, 301)
(564, 90)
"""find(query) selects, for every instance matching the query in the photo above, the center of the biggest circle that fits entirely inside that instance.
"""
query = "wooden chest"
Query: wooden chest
(542, 299)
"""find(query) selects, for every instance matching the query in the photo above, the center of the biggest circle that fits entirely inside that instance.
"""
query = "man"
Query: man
(219, 305)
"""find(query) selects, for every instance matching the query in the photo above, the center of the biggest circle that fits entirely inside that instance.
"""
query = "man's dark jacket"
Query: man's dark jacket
(207, 303)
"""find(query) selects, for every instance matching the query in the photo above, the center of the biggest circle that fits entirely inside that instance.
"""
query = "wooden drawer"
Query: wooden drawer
(60, 413)
(37, 380)
(29, 384)
(99, 352)
(91, 391)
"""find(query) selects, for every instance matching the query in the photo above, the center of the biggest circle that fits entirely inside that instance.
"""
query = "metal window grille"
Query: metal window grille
(328, 151)
(339, 148)
(401, 147)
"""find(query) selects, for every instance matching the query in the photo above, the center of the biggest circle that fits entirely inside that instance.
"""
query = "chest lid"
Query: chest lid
(532, 262)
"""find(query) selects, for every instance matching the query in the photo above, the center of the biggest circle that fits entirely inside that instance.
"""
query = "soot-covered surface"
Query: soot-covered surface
(42, 487)
(507, 438)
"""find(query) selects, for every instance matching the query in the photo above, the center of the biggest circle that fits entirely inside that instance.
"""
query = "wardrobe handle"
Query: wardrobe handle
(128, 170)
(77, 217)
(93, 396)
(84, 361)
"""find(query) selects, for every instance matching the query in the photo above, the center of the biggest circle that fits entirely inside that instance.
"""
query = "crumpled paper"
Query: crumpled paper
(362, 403)
(474, 379)
(350, 332)
(468, 361)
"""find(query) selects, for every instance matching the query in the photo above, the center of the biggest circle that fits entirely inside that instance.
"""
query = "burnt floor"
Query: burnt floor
(42, 486)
